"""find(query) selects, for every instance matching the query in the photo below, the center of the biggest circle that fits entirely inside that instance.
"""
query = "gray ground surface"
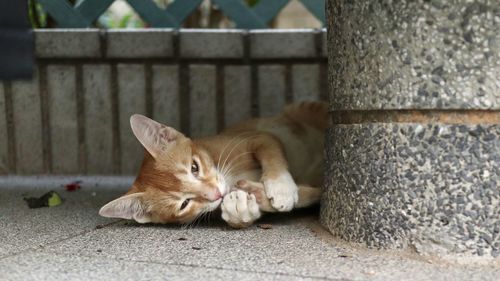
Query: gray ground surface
(63, 243)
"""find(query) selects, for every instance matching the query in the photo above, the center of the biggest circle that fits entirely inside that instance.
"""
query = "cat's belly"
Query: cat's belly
(304, 153)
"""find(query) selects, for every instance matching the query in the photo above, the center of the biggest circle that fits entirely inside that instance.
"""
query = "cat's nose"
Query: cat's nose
(214, 196)
(218, 195)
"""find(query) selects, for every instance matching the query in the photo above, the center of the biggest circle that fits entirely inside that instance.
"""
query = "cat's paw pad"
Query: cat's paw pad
(240, 209)
(282, 192)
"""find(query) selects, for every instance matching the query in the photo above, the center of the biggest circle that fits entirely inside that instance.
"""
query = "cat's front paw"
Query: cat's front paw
(240, 209)
(257, 189)
(282, 192)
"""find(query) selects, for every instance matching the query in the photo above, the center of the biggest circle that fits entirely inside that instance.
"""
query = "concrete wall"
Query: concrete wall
(73, 117)
(414, 155)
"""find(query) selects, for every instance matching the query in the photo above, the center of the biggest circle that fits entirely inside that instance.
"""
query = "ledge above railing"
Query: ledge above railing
(181, 43)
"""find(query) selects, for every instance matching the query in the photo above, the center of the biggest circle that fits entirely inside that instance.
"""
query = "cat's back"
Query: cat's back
(295, 116)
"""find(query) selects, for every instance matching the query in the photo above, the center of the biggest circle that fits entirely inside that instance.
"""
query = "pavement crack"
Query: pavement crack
(199, 266)
(239, 270)
(61, 239)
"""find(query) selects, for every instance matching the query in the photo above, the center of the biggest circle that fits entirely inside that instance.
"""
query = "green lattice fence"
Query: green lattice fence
(86, 12)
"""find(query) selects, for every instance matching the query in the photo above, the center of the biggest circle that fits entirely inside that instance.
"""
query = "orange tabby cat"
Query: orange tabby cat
(248, 168)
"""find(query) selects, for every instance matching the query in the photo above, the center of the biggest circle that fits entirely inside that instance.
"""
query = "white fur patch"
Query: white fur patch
(282, 192)
(240, 209)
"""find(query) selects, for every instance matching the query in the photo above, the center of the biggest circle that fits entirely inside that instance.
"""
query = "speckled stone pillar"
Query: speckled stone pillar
(413, 157)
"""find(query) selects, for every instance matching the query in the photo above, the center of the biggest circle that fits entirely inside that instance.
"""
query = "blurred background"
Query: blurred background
(208, 15)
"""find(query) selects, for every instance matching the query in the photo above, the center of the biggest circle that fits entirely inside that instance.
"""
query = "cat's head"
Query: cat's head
(178, 180)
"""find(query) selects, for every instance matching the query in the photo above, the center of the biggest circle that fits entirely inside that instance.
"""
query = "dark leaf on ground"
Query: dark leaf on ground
(49, 199)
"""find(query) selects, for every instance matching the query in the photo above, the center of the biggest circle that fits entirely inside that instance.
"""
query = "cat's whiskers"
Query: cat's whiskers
(236, 158)
(234, 147)
(229, 154)
(229, 167)
(184, 226)
(206, 217)
(198, 220)
(228, 144)
(191, 223)
(209, 217)
(239, 164)
(202, 216)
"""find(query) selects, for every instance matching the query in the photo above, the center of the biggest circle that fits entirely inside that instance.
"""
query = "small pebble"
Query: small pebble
(344, 256)
(265, 226)
(370, 272)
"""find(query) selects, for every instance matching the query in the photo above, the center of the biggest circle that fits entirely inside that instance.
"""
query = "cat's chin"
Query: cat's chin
(213, 205)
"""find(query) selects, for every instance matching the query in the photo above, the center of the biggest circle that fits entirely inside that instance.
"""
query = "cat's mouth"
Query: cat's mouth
(218, 199)
(212, 205)
(223, 189)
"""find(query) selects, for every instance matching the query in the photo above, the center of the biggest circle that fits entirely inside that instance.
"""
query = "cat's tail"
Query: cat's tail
(312, 113)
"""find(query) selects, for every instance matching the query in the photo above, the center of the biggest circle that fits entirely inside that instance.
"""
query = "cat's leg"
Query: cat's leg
(279, 185)
(240, 209)
(308, 195)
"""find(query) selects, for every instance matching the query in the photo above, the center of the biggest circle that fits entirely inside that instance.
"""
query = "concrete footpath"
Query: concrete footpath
(71, 242)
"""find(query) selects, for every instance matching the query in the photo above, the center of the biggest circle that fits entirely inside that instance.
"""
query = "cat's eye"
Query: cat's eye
(185, 203)
(195, 168)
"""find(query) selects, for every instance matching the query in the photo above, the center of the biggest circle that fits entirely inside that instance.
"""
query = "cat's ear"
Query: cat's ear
(154, 136)
(127, 207)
